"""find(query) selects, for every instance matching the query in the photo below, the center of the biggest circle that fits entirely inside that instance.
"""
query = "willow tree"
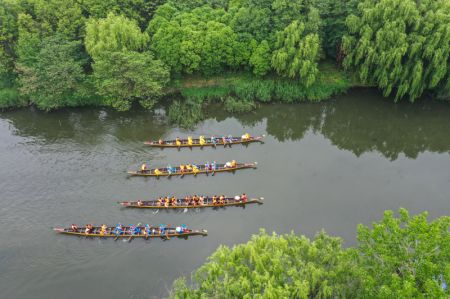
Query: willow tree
(297, 53)
(400, 45)
(113, 33)
(124, 71)
(275, 266)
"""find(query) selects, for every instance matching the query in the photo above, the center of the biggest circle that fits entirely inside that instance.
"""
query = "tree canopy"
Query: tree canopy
(404, 257)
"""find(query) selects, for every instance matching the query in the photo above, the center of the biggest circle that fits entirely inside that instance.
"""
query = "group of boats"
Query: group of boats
(169, 203)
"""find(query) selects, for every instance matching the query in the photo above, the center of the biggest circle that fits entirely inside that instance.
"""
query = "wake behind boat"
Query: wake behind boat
(189, 169)
(190, 202)
(202, 141)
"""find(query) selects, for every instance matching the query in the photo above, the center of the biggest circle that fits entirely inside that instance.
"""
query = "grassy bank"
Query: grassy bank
(240, 92)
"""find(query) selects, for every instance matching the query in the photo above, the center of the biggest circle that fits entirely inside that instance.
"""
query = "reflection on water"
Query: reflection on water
(359, 122)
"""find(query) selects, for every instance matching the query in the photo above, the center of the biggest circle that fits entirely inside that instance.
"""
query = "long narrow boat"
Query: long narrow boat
(208, 142)
(110, 233)
(201, 169)
(154, 204)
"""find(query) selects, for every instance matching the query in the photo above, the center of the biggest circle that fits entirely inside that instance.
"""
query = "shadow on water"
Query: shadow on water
(358, 122)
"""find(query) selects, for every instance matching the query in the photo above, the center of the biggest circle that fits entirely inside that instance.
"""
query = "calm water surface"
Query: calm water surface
(330, 165)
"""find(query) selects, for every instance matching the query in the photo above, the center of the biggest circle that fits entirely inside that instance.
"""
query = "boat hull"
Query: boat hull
(196, 142)
(150, 173)
(231, 202)
(171, 232)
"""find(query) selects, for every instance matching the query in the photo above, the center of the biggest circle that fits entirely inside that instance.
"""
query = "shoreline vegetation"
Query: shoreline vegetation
(71, 53)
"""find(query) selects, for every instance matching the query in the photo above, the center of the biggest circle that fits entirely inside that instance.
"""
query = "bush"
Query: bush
(239, 106)
(10, 98)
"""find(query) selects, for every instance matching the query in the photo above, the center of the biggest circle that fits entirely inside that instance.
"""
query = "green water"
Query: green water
(329, 165)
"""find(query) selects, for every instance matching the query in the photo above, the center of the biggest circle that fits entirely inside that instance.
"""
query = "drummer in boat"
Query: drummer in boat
(246, 137)
(178, 141)
(144, 167)
(202, 140)
(190, 141)
(74, 228)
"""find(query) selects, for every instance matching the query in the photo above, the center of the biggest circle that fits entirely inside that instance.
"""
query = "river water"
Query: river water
(327, 166)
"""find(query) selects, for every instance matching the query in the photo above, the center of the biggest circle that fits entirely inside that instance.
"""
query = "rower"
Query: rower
(228, 164)
(74, 228)
(103, 229)
(202, 140)
(244, 197)
(233, 164)
(170, 169)
(157, 171)
(230, 139)
(190, 142)
(245, 137)
(147, 230)
(214, 199)
(160, 141)
(207, 167)
(140, 203)
(160, 201)
(222, 199)
(178, 141)
(144, 167)
(213, 140)
(224, 140)
(173, 201)
(118, 230)
(213, 166)
(182, 168)
(166, 201)
(187, 200)
(137, 229)
(88, 229)
(195, 169)
(237, 198)
(201, 200)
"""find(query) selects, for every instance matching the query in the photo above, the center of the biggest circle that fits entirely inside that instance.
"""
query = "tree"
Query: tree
(55, 77)
(260, 59)
(275, 266)
(400, 44)
(113, 33)
(123, 77)
(297, 53)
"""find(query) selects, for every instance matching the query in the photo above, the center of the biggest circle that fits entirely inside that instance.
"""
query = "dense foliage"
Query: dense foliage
(405, 257)
(400, 46)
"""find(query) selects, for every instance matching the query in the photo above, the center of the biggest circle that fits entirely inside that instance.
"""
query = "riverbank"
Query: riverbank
(240, 92)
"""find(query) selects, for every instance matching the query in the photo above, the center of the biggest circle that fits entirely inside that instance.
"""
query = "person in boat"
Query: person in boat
(230, 139)
(103, 229)
(160, 201)
(74, 228)
(88, 229)
(233, 163)
(213, 140)
(237, 198)
(173, 201)
(157, 171)
(182, 168)
(170, 169)
(224, 140)
(202, 140)
(166, 201)
(228, 164)
(144, 167)
(222, 199)
(178, 141)
(207, 167)
(147, 230)
(195, 169)
(213, 166)
(190, 141)
(214, 200)
(184, 228)
(118, 230)
(162, 230)
(187, 200)
(195, 200)
(140, 203)
(201, 200)
(246, 137)
(137, 229)
(244, 197)
(160, 142)
(188, 167)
